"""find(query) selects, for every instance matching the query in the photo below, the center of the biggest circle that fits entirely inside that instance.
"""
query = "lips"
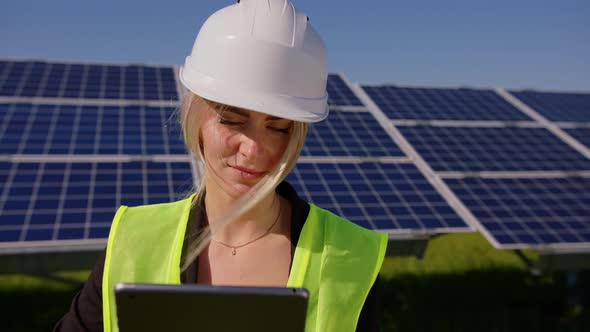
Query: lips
(248, 172)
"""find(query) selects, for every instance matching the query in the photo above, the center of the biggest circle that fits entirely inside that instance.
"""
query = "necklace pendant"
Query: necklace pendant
(233, 251)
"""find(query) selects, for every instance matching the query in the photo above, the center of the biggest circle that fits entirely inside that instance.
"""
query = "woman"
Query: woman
(256, 77)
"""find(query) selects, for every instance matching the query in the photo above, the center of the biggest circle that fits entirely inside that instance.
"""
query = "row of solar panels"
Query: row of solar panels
(479, 105)
(43, 79)
(72, 80)
(27, 128)
(53, 201)
(60, 179)
(84, 195)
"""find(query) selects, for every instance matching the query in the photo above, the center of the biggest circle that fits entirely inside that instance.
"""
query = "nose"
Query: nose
(250, 145)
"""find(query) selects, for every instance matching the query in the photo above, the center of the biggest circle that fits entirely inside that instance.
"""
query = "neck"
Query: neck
(257, 220)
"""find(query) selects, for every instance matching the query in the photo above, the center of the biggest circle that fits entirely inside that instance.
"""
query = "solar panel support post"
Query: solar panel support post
(532, 266)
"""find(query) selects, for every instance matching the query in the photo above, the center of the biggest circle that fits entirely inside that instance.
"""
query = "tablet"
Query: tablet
(155, 307)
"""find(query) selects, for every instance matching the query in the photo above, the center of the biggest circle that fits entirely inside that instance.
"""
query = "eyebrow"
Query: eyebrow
(237, 111)
(245, 113)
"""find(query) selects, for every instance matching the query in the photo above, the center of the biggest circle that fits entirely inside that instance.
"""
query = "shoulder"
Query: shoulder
(178, 207)
(332, 220)
(168, 215)
(344, 242)
(339, 232)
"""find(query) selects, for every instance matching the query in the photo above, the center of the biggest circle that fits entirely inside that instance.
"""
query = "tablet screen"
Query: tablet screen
(154, 307)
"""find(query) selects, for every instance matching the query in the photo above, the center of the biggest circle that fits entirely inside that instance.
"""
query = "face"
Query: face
(241, 146)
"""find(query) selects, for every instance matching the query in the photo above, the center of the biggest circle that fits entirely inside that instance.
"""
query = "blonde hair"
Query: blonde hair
(191, 113)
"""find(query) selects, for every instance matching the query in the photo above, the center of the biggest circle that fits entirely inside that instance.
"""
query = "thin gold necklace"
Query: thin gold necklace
(233, 248)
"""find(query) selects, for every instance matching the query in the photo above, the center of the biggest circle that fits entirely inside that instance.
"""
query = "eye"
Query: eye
(281, 130)
(228, 122)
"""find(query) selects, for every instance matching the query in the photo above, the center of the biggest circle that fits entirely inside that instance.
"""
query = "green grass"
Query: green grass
(35, 303)
(461, 284)
(455, 253)
(57, 282)
(464, 284)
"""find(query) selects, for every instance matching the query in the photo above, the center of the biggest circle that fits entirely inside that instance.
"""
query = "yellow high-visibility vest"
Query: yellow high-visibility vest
(336, 260)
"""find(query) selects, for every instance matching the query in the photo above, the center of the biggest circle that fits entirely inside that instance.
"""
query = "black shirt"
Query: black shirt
(85, 312)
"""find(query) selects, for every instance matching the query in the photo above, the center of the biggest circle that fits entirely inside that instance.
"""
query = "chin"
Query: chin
(237, 189)
(232, 185)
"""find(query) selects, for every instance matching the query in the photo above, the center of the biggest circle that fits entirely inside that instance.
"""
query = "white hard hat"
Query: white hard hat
(261, 55)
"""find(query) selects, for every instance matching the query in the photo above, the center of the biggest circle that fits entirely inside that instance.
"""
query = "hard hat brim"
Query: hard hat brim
(294, 108)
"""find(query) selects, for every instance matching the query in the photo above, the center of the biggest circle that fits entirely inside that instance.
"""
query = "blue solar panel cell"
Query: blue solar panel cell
(70, 233)
(349, 134)
(351, 190)
(339, 93)
(493, 149)
(558, 106)
(34, 75)
(10, 84)
(537, 211)
(99, 232)
(9, 235)
(42, 218)
(12, 219)
(73, 217)
(39, 234)
(53, 83)
(3, 67)
(443, 104)
(81, 195)
(168, 84)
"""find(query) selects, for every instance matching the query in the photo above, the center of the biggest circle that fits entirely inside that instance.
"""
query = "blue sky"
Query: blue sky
(543, 45)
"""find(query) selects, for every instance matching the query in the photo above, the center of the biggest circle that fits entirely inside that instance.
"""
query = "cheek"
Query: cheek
(217, 141)
(277, 146)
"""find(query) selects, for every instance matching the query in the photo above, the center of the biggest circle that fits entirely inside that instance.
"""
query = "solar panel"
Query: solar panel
(64, 201)
(442, 104)
(472, 149)
(339, 93)
(395, 197)
(529, 212)
(581, 134)
(70, 80)
(349, 134)
(67, 129)
(75, 199)
(558, 106)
